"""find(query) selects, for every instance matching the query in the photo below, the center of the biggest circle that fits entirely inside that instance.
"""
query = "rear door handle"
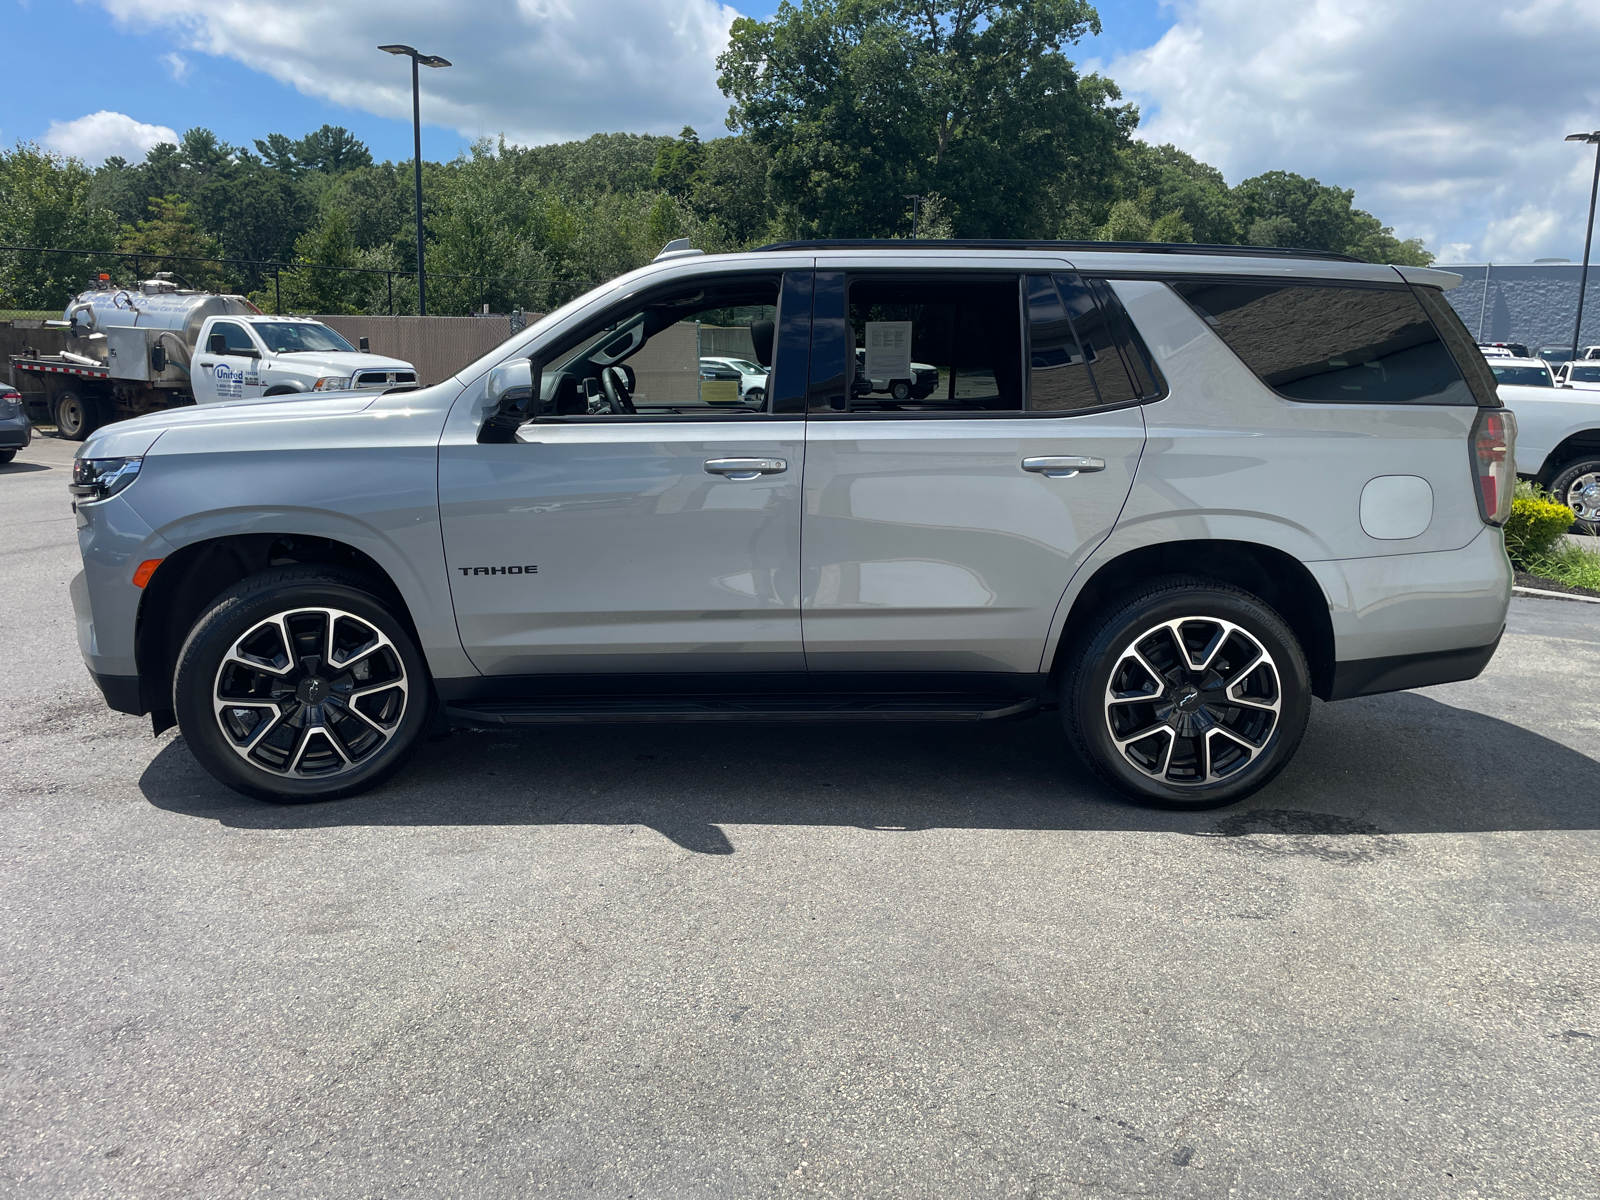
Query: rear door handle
(1063, 466)
(745, 468)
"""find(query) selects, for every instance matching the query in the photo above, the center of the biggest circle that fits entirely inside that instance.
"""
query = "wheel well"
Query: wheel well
(1278, 578)
(188, 581)
(1576, 446)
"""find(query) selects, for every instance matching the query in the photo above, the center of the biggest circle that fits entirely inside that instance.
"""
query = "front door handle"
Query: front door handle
(1063, 466)
(745, 468)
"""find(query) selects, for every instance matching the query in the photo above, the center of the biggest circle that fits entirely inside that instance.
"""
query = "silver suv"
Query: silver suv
(1171, 493)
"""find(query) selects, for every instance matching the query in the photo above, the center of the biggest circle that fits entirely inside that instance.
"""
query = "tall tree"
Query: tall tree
(47, 200)
(1280, 208)
(860, 102)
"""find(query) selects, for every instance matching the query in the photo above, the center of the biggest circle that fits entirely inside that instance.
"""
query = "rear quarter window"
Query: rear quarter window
(1334, 343)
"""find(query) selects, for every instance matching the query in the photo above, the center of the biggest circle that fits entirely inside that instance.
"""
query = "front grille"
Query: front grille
(384, 378)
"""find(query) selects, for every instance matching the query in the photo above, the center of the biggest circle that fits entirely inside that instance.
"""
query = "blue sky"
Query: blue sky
(1445, 116)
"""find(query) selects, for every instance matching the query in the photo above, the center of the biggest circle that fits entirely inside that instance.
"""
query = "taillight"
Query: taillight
(1494, 439)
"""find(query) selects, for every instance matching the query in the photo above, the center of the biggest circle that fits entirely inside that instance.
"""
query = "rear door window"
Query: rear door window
(925, 345)
(1083, 351)
(1332, 343)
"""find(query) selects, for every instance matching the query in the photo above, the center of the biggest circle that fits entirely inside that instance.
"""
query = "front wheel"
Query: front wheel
(299, 684)
(1187, 693)
(1578, 487)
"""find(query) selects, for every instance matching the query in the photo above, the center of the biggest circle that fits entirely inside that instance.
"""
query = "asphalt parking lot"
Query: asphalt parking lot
(696, 962)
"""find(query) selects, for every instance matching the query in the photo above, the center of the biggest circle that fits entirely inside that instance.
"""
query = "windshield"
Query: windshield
(292, 337)
(749, 368)
(1522, 376)
(1585, 375)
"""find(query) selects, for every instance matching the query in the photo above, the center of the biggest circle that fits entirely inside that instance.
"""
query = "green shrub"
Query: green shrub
(1568, 564)
(1535, 527)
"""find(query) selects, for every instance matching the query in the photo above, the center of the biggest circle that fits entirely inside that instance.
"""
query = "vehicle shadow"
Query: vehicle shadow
(1403, 763)
(24, 468)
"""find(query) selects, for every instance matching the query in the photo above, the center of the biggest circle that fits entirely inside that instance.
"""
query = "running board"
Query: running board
(586, 710)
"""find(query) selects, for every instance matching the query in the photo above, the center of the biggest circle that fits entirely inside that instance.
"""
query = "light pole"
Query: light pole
(426, 60)
(916, 207)
(1592, 139)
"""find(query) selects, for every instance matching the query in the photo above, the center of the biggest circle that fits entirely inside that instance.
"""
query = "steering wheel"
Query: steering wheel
(615, 386)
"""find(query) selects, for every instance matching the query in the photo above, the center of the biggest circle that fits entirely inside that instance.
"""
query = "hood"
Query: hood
(126, 439)
(346, 361)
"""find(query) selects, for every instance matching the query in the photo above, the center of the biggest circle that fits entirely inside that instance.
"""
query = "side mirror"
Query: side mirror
(513, 391)
(217, 344)
(366, 346)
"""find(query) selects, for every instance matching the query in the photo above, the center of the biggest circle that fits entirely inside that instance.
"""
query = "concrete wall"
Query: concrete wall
(1535, 304)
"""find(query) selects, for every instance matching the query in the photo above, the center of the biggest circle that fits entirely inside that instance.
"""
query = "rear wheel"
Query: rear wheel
(900, 390)
(6, 456)
(1187, 694)
(300, 684)
(77, 415)
(1578, 487)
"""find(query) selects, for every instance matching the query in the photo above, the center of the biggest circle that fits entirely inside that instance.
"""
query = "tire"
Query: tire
(303, 726)
(6, 456)
(900, 390)
(76, 415)
(281, 390)
(1196, 753)
(1578, 487)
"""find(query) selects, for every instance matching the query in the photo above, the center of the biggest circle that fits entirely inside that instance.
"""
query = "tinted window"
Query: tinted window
(1522, 376)
(1339, 344)
(1584, 375)
(1058, 374)
(1135, 357)
(933, 345)
(1099, 341)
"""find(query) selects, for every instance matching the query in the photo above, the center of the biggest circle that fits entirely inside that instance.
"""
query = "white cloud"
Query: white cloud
(537, 70)
(1445, 116)
(177, 66)
(98, 136)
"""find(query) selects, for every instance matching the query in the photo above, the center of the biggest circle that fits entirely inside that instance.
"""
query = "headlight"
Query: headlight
(331, 383)
(101, 478)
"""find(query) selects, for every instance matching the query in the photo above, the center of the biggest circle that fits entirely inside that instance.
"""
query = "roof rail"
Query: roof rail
(1030, 244)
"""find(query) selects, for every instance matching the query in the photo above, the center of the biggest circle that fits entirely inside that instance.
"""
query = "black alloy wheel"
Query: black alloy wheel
(1577, 486)
(300, 684)
(1188, 694)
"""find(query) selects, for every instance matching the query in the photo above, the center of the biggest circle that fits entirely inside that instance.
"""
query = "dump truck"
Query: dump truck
(158, 344)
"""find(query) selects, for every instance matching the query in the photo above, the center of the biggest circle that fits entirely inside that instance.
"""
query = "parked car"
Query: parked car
(1522, 372)
(1555, 354)
(922, 384)
(1576, 373)
(1501, 349)
(751, 376)
(16, 431)
(1201, 489)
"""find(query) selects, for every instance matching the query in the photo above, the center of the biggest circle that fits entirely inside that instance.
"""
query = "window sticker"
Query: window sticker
(888, 349)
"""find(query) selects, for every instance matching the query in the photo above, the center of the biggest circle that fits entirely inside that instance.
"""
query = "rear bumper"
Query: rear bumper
(15, 435)
(1370, 676)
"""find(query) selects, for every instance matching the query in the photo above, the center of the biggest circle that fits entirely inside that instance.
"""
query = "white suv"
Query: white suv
(1171, 497)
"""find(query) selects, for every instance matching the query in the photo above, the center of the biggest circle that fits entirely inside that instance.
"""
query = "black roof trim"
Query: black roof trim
(1026, 244)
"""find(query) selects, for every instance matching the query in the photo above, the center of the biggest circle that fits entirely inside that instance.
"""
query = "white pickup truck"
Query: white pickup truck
(1558, 437)
(142, 349)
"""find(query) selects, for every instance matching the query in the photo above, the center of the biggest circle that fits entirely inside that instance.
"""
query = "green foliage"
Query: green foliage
(1280, 208)
(1566, 564)
(47, 200)
(860, 102)
(328, 244)
(1535, 527)
(170, 230)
